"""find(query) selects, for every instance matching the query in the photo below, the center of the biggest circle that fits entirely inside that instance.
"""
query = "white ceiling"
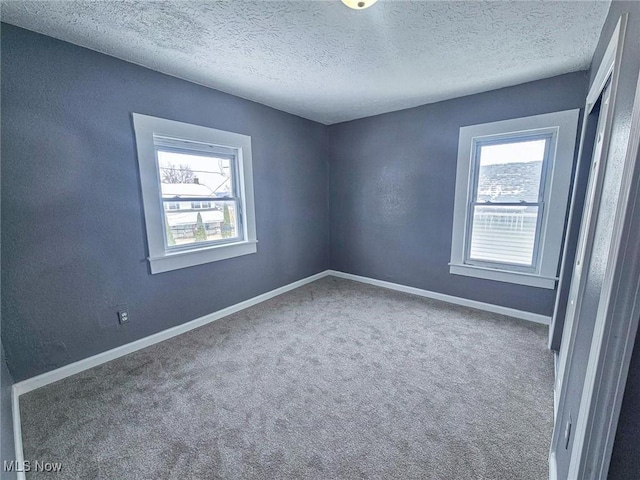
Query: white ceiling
(324, 61)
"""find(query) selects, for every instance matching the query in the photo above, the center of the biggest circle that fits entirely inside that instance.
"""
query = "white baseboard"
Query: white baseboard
(80, 366)
(17, 432)
(465, 302)
(87, 363)
(90, 362)
(556, 399)
(68, 370)
(553, 468)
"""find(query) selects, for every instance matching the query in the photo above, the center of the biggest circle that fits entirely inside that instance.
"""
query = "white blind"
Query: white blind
(504, 234)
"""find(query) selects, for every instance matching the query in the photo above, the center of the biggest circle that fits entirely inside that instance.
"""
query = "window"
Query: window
(197, 193)
(512, 189)
(197, 205)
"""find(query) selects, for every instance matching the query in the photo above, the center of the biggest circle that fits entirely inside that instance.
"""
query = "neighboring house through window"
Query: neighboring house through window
(197, 205)
(197, 192)
(512, 189)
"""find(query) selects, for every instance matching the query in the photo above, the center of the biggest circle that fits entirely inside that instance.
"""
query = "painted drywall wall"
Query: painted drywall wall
(73, 237)
(392, 189)
(7, 449)
(625, 460)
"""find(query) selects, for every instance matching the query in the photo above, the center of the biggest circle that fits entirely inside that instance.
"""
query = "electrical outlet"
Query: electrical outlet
(123, 314)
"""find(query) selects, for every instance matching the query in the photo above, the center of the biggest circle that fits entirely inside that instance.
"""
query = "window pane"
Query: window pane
(190, 175)
(504, 234)
(217, 222)
(510, 172)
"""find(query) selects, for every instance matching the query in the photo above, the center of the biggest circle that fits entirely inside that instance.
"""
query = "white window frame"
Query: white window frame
(162, 259)
(555, 185)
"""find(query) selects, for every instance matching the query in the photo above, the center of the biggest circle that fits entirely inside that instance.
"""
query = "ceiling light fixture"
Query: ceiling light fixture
(359, 4)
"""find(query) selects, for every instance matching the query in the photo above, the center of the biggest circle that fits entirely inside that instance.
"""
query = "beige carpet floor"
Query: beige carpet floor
(334, 380)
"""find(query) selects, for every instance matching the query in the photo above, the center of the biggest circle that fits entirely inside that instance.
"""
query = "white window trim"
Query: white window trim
(556, 195)
(160, 259)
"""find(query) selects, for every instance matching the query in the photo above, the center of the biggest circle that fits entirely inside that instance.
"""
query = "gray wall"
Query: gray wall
(625, 461)
(73, 238)
(7, 447)
(7, 451)
(392, 186)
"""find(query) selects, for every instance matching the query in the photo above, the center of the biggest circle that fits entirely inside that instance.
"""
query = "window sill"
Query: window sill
(190, 258)
(520, 278)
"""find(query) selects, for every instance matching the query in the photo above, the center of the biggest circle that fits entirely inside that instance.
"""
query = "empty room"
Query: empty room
(320, 239)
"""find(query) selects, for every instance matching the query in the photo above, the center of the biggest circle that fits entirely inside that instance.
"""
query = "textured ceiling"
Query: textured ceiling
(324, 61)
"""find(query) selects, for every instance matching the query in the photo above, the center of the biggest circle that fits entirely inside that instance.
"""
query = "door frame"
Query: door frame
(616, 325)
(618, 313)
(604, 73)
(608, 73)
